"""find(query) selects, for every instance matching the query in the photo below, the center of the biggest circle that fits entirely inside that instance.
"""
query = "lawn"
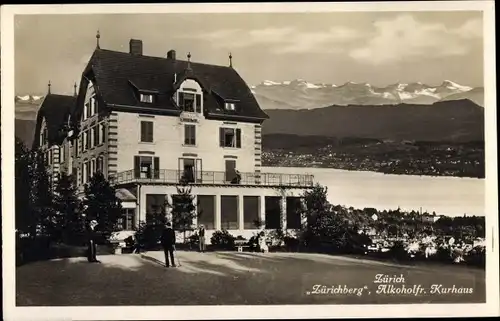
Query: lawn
(233, 278)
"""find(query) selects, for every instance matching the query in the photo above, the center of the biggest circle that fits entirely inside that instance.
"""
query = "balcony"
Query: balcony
(164, 176)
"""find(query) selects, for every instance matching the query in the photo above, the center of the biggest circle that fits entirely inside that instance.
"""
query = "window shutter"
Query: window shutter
(96, 135)
(150, 132)
(186, 135)
(198, 103)
(143, 131)
(221, 137)
(238, 137)
(156, 167)
(103, 134)
(193, 135)
(137, 166)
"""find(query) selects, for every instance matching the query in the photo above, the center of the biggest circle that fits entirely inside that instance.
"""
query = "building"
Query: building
(150, 124)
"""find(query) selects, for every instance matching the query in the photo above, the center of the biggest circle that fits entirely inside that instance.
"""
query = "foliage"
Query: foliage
(69, 220)
(222, 240)
(101, 204)
(148, 235)
(183, 210)
(25, 221)
(42, 198)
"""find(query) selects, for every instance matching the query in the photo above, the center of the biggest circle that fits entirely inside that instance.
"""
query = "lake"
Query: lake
(445, 195)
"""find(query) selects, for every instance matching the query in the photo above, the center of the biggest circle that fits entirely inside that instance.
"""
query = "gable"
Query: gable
(53, 115)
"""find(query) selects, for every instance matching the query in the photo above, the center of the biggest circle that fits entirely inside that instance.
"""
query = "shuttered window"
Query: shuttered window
(190, 135)
(146, 167)
(146, 131)
(230, 137)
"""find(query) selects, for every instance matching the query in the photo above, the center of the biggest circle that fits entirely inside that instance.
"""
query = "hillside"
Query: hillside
(460, 120)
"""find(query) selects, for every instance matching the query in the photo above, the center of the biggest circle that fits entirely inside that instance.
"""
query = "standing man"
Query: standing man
(92, 248)
(201, 238)
(168, 243)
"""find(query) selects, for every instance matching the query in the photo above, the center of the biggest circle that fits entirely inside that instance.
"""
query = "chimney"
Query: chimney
(135, 47)
(171, 54)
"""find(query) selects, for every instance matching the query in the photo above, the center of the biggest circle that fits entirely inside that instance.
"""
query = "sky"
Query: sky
(380, 48)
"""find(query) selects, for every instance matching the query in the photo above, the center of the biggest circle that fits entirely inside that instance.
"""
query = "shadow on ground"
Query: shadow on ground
(228, 278)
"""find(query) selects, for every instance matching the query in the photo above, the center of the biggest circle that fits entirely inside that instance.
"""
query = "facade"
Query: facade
(151, 124)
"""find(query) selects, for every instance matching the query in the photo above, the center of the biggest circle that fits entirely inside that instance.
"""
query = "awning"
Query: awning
(125, 195)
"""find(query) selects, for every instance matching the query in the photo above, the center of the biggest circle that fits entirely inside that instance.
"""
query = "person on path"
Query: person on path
(201, 238)
(168, 244)
(91, 246)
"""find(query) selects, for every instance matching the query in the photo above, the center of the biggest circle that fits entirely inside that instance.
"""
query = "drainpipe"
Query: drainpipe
(138, 208)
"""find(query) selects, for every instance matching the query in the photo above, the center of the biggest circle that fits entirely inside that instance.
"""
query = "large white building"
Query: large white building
(150, 123)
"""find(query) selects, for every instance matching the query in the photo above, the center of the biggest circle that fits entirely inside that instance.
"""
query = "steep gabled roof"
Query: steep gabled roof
(55, 109)
(120, 75)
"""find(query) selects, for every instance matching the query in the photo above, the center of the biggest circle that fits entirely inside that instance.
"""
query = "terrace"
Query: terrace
(173, 177)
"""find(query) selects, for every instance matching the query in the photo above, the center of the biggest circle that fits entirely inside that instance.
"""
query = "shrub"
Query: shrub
(291, 243)
(222, 240)
(398, 251)
(149, 236)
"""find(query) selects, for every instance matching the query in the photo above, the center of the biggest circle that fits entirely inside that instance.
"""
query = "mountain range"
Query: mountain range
(412, 111)
(300, 94)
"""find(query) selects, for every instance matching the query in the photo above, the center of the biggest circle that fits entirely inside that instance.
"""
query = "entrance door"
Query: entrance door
(189, 174)
(230, 169)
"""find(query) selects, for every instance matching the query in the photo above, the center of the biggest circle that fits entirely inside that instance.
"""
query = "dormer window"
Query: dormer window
(189, 97)
(189, 102)
(230, 106)
(146, 98)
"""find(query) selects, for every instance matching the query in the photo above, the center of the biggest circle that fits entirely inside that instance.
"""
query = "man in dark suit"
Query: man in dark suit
(168, 243)
(91, 246)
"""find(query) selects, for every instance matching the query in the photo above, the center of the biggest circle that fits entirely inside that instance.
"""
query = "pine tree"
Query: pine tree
(183, 210)
(101, 204)
(69, 221)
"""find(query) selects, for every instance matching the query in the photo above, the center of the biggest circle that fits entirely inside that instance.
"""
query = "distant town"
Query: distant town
(390, 157)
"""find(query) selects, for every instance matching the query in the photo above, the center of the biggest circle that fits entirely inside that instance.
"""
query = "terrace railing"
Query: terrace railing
(167, 176)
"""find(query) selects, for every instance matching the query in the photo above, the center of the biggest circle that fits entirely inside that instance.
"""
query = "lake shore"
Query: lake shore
(445, 195)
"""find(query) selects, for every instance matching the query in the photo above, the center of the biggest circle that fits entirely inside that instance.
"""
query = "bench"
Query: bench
(240, 244)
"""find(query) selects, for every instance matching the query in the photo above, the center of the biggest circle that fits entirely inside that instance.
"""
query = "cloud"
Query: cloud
(405, 38)
(280, 40)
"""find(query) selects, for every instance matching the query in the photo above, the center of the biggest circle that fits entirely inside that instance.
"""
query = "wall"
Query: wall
(168, 144)
(240, 192)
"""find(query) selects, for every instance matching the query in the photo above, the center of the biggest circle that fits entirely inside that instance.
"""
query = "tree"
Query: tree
(24, 219)
(183, 209)
(42, 197)
(69, 220)
(101, 204)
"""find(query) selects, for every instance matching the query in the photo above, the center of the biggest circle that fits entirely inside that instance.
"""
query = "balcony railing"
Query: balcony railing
(211, 177)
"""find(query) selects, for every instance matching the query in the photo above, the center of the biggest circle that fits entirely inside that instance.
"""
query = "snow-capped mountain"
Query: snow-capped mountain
(300, 94)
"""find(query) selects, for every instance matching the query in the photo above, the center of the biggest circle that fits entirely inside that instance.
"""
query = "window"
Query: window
(102, 137)
(92, 105)
(95, 134)
(190, 135)
(93, 167)
(100, 164)
(126, 221)
(230, 106)
(146, 131)
(88, 174)
(146, 98)
(230, 137)
(190, 102)
(146, 167)
(61, 153)
(87, 139)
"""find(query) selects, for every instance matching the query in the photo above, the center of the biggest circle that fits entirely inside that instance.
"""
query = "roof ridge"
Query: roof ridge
(163, 58)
